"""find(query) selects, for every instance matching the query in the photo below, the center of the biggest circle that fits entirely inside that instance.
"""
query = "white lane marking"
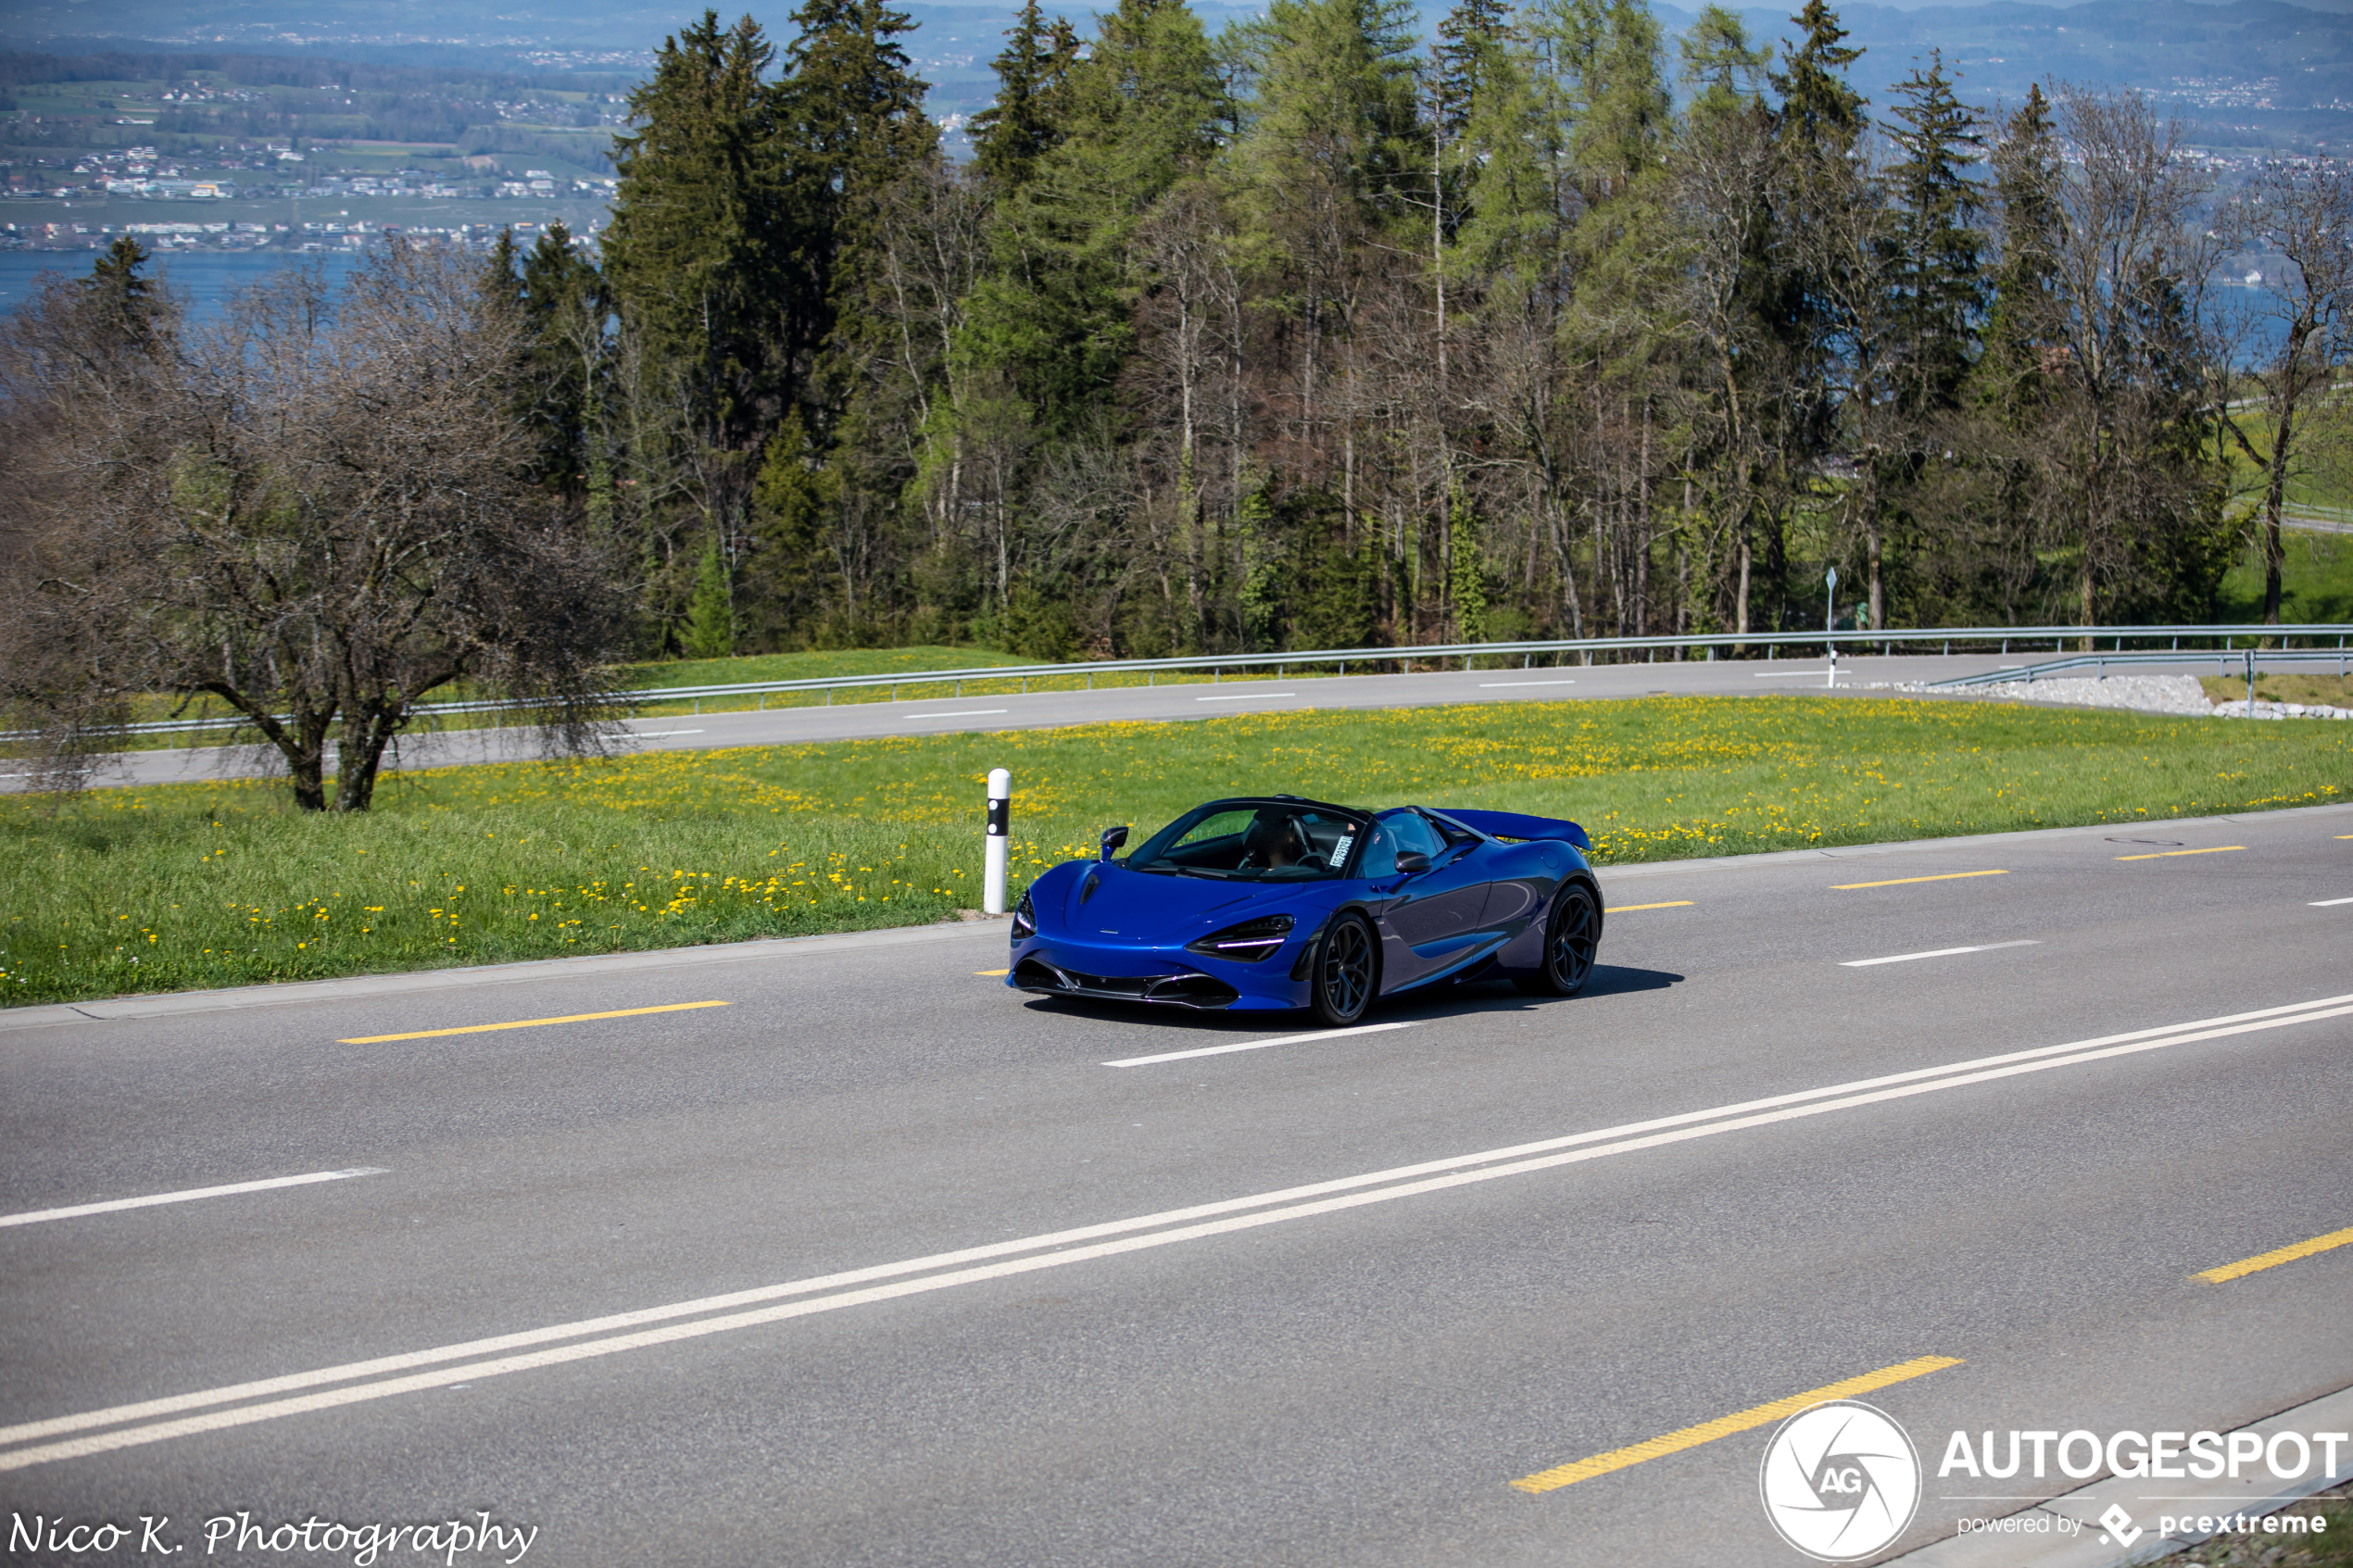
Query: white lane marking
(1789, 675)
(655, 734)
(189, 1194)
(1934, 953)
(1484, 685)
(959, 713)
(1443, 1174)
(1243, 696)
(2329, 903)
(1262, 1045)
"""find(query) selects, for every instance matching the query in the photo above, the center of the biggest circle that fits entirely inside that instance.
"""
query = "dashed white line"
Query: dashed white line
(1934, 953)
(629, 1331)
(1319, 1035)
(2329, 903)
(187, 1195)
(1484, 685)
(1243, 696)
(657, 734)
(959, 713)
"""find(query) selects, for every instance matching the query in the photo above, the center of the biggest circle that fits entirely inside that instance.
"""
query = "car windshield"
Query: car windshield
(1252, 841)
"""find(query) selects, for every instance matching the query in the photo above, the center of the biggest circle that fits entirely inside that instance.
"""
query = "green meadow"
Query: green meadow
(223, 884)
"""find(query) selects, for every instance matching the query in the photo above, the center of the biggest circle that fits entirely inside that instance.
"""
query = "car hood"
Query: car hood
(1147, 906)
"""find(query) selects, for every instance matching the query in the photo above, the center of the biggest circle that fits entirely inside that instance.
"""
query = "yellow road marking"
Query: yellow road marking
(527, 1023)
(992, 972)
(2345, 836)
(1725, 1426)
(1948, 877)
(1630, 908)
(2274, 1259)
(2168, 854)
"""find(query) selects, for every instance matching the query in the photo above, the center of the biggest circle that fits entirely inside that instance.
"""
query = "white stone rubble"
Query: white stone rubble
(2145, 694)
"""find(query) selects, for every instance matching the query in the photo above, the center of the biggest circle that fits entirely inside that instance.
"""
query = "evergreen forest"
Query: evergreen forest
(1306, 333)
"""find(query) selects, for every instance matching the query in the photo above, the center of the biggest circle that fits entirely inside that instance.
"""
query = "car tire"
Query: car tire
(1341, 980)
(1571, 937)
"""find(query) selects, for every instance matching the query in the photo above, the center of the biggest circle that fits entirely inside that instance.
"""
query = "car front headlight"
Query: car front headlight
(1025, 919)
(1245, 943)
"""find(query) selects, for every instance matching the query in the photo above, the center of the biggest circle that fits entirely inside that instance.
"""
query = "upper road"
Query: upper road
(869, 1260)
(1193, 699)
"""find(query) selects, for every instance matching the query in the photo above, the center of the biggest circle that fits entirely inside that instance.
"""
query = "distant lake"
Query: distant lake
(206, 277)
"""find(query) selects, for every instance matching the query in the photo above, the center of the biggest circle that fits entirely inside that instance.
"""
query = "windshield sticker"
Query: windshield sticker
(1340, 851)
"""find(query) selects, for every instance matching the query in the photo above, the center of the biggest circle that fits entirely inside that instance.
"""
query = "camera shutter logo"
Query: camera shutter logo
(1840, 1480)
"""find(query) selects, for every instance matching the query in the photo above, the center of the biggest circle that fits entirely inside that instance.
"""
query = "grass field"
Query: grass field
(2316, 581)
(815, 664)
(222, 884)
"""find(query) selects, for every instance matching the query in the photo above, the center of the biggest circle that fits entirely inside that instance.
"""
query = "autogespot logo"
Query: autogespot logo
(1839, 1481)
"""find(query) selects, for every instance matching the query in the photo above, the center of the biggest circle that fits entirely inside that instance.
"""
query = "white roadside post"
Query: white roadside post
(1001, 789)
(1829, 621)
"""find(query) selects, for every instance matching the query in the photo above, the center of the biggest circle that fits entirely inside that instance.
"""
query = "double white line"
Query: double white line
(213, 1410)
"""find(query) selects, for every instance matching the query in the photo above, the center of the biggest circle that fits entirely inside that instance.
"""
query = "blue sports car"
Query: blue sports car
(1274, 902)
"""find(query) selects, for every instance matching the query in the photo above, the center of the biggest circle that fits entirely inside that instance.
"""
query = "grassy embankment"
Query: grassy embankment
(2282, 685)
(2316, 581)
(222, 884)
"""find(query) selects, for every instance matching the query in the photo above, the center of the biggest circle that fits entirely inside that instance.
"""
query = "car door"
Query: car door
(1427, 917)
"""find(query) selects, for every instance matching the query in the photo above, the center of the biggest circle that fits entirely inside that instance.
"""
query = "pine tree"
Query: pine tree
(1053, 324)
(1470, 38)
(709, 631)
(855, 108)
(1720, 67)
(1938, 251)
(2011, 380)
(782, 585)
(563, 314)
(1029, 114)
(699, 254)
(856, 111)
(1819, 112)
(127, 304)
(1627, 108)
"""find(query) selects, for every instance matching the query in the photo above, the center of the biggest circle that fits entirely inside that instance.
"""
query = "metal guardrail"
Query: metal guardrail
(2226, 660)
(1403, 659)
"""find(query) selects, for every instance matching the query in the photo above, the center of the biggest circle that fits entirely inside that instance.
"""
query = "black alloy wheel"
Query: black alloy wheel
(1341, 980)
(1570, 937)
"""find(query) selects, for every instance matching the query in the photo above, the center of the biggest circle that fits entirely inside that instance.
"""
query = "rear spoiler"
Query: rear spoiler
(1511, 824)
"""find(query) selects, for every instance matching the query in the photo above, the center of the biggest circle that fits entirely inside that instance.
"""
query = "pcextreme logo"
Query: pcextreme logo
(1840, 1480)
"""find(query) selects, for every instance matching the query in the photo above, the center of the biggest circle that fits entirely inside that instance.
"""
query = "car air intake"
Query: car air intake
(1193, 991)
(1035, 975)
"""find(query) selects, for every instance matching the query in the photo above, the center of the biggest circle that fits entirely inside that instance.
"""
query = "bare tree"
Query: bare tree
(2301, 220)
(316, 508)
(2126, 255)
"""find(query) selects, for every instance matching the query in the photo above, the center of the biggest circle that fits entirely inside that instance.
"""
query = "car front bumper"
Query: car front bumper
(1168, 976)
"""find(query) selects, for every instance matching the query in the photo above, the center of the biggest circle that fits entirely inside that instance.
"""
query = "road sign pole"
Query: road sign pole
(1829, 621)
(1001, 789)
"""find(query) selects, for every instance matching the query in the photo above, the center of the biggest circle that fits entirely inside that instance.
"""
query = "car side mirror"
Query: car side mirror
(1410, 862)
(1113, 839)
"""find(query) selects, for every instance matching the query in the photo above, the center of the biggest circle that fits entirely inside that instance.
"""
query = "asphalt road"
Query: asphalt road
(937, 715)
(791, 1280)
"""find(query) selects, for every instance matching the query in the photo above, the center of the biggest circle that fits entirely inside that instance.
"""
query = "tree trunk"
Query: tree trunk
(1871, 547)
(359, 752)
(2274, 498)
(1741, 602)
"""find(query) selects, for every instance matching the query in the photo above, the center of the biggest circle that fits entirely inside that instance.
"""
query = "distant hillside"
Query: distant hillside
(2252, 72)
